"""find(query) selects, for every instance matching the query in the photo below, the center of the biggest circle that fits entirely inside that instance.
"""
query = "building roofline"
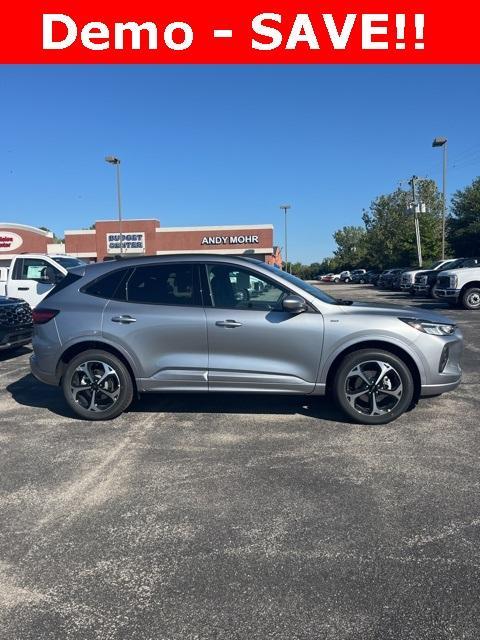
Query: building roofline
(237, 227)
(26, 227)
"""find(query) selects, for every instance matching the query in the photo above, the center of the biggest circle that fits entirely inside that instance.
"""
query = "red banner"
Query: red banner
(253, 31)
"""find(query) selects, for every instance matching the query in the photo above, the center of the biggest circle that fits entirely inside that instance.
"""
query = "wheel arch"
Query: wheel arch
(384, 346)
(470, 285)
(85, 345)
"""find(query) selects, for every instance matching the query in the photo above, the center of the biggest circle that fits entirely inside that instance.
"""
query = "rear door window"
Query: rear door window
(166, 284)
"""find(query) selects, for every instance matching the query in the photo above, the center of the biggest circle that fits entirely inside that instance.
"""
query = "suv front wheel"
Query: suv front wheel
(97, 385)
(373, 386)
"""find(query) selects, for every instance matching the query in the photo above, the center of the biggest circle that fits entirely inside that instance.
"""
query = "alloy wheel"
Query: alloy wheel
(95, 386)
(373, 388)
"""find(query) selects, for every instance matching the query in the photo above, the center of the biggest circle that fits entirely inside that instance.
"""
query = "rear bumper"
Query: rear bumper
(44, 376)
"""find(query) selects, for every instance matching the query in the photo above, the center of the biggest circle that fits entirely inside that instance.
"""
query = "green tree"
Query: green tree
(56, 239)
(351, 247)
(390, 229)
(464, 223)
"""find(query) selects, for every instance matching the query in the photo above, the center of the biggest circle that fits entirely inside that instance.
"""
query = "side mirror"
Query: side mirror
(294, 304)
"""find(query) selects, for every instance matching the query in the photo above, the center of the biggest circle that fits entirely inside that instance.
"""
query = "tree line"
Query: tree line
(387, 236)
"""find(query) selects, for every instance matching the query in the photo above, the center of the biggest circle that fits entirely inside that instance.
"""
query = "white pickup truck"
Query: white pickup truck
(460, 286)
(31, 276)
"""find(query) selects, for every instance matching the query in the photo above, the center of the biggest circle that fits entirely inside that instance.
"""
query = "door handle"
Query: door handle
(228, 324)
(124, 319)
(24, 288)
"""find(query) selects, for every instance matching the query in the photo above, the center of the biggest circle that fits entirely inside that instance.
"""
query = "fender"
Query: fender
(367, 336)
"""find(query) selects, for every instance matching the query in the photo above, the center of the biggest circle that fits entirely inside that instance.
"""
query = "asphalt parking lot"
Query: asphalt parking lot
(195, 517)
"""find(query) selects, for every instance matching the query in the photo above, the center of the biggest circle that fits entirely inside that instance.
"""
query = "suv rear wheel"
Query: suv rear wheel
(373, 386)
(97, 385)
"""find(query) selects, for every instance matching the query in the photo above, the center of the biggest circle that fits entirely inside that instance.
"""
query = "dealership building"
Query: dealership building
(142, 237)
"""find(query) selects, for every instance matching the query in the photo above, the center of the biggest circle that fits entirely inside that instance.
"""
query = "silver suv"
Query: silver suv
(112, 330)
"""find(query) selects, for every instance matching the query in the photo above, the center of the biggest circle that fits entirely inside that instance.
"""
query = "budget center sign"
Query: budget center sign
(133, 242)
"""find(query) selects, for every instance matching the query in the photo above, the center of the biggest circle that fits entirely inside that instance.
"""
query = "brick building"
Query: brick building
(148, 237)
(142, 237)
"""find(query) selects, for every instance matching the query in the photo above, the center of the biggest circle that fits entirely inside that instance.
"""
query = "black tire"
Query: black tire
(78, 391)
(397, 379)
(336, 280)
(470, 298)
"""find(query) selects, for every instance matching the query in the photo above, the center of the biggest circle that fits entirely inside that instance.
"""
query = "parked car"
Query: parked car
(372, 277)
(345, 276)
(386, 279)
(359, 276)
(395, 284)
(16, 326)
(461, 285)
(332, 277)
(425, 281)
(383, 277)
(407, 283)
(187, 323)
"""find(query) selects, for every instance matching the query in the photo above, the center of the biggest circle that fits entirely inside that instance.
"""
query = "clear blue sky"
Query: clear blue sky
(212, 145)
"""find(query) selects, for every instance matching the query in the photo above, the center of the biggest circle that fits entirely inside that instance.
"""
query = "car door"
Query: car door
(32, 279)
(254, 344)
(158, 319)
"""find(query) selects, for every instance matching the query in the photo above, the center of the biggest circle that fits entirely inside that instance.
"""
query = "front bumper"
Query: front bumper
(436, 389)
(441, 375)
(12, 338)
(421, 288)
(452, 294)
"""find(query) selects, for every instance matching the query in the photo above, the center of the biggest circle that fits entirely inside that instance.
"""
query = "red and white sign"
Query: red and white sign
(252, 31)
(9, 241)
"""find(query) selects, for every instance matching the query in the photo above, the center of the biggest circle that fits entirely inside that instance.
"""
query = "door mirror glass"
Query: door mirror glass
(294, 304)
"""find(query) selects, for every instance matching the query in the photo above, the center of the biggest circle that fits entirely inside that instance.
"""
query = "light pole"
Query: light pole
(285, 208)
(116, 161)
(443, 142)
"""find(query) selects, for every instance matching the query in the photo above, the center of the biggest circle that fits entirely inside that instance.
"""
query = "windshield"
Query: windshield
(69, 263)
(435, 265)
(453, 265)
(301, 284)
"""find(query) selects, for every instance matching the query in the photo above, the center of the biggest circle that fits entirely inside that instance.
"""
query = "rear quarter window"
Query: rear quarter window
(69, 279)
(110, 286)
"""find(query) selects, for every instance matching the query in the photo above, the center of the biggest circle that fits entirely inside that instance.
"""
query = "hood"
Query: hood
(378, 308)
(428, 272)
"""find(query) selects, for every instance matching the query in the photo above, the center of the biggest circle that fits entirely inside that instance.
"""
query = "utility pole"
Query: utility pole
(285, 208)
(443, 142)
(416, 210)
(116, 163)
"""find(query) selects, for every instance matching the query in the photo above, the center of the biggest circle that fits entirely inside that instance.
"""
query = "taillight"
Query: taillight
(42, 316)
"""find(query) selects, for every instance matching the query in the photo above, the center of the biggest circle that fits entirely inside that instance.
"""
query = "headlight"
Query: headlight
(453, 282)
(432, 328)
